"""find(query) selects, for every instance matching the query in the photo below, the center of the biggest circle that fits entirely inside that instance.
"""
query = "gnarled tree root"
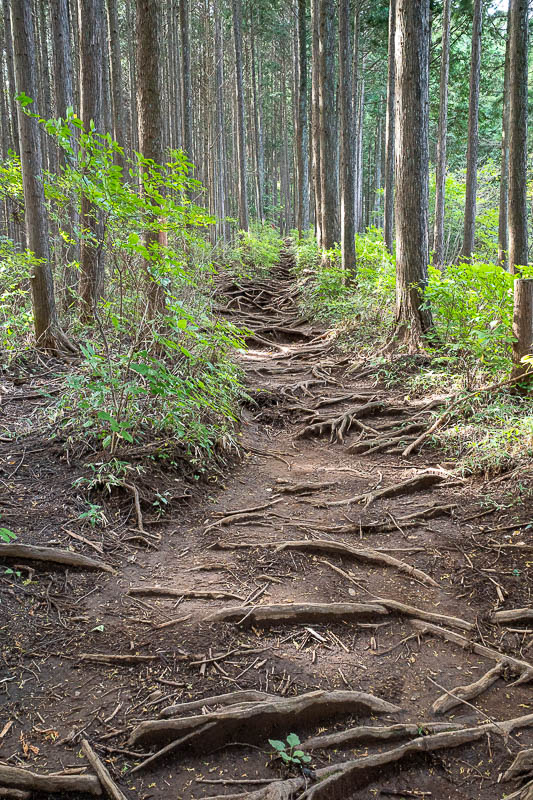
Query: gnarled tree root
(337, 427)
(358, 554)
(167, 591)
(328, 612)
(229, 699)
(416, 484)
(23, 779)
(392, 523)
(522, 765)
(248, 722)
(53, 555)
(370, 733)
(513, 615)
(521, 668)
(297, 613)
(335, 782)
(446, 701)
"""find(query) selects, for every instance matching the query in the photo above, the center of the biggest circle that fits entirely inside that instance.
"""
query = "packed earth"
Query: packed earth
(331, 593)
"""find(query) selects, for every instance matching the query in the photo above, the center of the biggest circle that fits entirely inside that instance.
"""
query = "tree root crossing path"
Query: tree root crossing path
(332, 585)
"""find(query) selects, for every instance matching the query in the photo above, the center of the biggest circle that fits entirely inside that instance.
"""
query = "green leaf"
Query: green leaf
(286, 757)
(6, 535)
(293, 740)
(305, 759)
(277, 745)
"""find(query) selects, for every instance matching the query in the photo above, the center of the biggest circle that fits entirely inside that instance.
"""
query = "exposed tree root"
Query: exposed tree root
(392, 523)
(172, 746)
(338, 427)
(254, 721)
(359, 554)
(416, 484)
(447, 701)
(370, 733)
(380, 443)
(338, 781)
(525, 793)
(521, 668)
(293, 613)
(16, 778)
(288, 487)
(419, 613)
(14, 794)
(513, 615)
(230, 699)
(168, 591)
(52, 555)
(108, 784)
(522, 765)
(112, 658)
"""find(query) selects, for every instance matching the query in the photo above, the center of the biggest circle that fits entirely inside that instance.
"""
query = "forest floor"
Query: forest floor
(88, 654)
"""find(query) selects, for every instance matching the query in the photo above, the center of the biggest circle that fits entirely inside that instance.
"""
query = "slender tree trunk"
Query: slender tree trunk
(302, 141)
(412, 169)
(518, 72)
(241, 128)
(10, 77)
(315, 119)
(64, 93)
(347, 203)
(120, 126)
(388, 212)
(91, 82)
(259, 156)
(186, 112)
(440, 183)
(150, 115)
(503, 229)
(359, 155)
(473, 135)
(326, 77)
(219, 128)
(46, 326)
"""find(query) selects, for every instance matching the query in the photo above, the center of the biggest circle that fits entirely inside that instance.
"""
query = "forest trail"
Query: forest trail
(314, 570)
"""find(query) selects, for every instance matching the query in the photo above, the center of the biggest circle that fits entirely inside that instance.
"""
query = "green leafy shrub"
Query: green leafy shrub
(257, 250)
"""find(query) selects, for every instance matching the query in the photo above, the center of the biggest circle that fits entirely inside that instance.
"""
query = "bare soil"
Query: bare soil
(55, 620)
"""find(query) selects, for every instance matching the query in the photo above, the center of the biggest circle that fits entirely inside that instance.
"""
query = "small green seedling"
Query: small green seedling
(288, 752)
(6, 535)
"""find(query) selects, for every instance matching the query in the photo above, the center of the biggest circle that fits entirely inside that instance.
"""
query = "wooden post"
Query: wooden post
(522, 326)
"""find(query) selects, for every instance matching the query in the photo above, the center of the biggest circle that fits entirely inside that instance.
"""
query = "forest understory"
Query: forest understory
(328, 584)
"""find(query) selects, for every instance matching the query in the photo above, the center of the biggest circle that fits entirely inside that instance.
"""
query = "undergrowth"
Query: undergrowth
(472, 306)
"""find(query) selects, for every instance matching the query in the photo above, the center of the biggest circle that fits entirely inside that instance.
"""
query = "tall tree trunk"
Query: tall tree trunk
(440, 183)
(186, 112)
(388, 211)
(64, 92)
(315, 118)
(473, 135)
(91, 82)
(518, 73)
(241, 129)
(360, 115)
(258, 134)
(302, 141)
(326, 76)
(150, 115)
(10, 77)
(120, 127)
(411, 169)
(46, 326)
(503, 222)
(347, 203)
(220, 127)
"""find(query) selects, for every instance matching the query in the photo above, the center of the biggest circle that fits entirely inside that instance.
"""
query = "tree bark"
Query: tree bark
(46, 326)
(150, 115)
(522, 325)
(347, 200)
(411, 169)
(241, 129)
(120, 127)
(473, 134)
(503, 229)
(315, 120)
(258, 133)
(440, 183)
(518, 73)
(91, 83)
(388, 210)
(186, 112)
(10, 77)
(326, 76)
(302, 140)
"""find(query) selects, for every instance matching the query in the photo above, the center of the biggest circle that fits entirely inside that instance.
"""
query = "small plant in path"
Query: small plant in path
(289, 751)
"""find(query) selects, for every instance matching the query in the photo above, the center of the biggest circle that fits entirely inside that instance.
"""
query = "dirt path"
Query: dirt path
(305, 524)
